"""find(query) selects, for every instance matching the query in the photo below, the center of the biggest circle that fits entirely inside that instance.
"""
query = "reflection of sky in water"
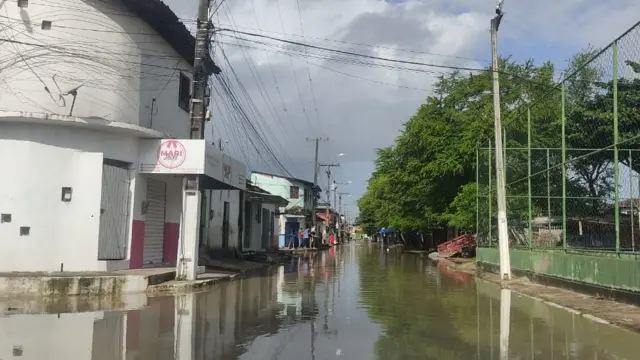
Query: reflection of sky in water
(362, 303)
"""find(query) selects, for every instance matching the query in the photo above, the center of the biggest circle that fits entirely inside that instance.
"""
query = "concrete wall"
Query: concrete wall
(213, 227)
(118, 61)
(51, 158)
(601, 269)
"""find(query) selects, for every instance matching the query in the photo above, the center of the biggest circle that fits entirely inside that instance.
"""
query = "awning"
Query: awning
(266, 198)
(192, 157)
(323, 216)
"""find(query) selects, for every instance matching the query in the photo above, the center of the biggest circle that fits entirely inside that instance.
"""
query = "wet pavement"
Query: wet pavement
(352, 302)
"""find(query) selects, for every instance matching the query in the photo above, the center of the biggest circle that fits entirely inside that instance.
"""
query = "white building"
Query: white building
(94, 100)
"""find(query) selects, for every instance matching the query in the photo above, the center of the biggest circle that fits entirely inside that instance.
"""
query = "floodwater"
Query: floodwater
(353, 302)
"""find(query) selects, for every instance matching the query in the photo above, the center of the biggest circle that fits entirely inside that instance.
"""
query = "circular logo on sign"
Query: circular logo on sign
(171, 154)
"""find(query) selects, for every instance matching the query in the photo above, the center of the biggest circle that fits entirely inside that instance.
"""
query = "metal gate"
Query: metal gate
(154, 223)
(266, 224)
(272, 230)
(114, 212)
(248, 222)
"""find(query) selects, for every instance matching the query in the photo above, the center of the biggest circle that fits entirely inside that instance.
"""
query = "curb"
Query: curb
(505, 285)
(186, 287)
(556, 305)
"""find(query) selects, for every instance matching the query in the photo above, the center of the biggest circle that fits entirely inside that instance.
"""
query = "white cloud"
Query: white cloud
(359, 115)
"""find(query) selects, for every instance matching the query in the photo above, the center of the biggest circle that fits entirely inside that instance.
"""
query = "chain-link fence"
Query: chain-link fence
(572, 159)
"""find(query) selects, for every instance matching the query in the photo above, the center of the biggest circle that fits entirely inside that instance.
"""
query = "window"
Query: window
(23, 3)
(294, 192)
(46, 25)
(259, 214)
(184, 92)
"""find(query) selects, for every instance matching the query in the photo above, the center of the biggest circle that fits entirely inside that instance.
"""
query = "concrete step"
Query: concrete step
(111, 283)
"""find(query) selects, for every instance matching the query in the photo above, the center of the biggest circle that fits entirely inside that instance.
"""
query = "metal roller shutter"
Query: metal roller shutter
(154, 222)
(114, 213)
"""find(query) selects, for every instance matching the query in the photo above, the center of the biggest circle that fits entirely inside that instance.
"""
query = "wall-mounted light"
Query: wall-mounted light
(144, 206)
(66, 194)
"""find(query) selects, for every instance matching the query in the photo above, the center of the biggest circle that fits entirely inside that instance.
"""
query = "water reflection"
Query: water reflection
(356, 302)
(535, 330)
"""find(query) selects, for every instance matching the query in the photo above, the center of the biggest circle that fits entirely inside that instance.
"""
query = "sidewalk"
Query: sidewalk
(600, 310)
(114, 286)
(218, 270)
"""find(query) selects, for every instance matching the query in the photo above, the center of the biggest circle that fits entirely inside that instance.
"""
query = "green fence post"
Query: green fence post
(616, 169)
(490, 196)
(477, 191)
(633, 211)
(564, 170)
(548, 189)
(529, 176)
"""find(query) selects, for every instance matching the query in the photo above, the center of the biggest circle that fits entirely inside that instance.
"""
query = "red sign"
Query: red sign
(171, 154)
(227, 171)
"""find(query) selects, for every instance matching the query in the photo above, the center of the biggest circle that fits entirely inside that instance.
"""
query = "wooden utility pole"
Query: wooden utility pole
(503, 233)
(315, 182)
(203, 67)
(329, 166)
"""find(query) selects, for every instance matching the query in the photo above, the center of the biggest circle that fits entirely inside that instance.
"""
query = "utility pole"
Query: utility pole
(203, 66)
(315, 181)
(503, 232)
(329, 166)
(340, 211)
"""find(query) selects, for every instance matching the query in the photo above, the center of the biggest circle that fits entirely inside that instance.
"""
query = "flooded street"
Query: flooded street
(352, 302)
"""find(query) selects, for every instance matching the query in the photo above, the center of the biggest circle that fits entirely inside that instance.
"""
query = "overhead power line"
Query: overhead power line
(351, 53)
(417, 52)
(379, 58)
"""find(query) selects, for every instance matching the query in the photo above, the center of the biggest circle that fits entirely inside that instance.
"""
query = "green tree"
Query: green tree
(422, 181)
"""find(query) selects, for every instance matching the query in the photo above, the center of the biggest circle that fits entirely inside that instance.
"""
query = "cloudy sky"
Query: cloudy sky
(361, 108)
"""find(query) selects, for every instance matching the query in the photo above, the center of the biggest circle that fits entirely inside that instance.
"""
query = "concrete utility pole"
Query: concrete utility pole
(329, 166)
(315, 181)
(503, 232)
(341, 211)
(203, 66)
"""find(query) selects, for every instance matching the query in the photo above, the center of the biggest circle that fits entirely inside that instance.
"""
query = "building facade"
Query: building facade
(94, 103)
(299, 194)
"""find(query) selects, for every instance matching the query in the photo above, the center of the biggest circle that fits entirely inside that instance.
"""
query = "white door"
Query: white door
(154, 222)
(114, 213)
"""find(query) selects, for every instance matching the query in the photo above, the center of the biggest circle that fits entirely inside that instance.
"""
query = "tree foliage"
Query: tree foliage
(425, 179)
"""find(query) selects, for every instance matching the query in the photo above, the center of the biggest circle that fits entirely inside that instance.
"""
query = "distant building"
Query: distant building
(298, 214)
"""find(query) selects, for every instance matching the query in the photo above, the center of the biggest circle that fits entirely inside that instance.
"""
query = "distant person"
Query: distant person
(300, 238)
(292, 237)
(313, 237)
(305, 241)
